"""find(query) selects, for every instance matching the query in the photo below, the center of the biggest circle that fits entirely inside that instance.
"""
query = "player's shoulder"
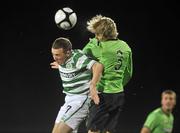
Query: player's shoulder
(158, 110)
(125, 45)
(77, 53)
(93, 40)
(155, 113)
(122, 41)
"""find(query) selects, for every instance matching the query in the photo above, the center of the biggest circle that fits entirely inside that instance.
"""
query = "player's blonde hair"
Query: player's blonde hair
(104, 26)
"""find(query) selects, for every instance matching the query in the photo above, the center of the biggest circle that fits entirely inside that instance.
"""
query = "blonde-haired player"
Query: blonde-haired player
(116, 57)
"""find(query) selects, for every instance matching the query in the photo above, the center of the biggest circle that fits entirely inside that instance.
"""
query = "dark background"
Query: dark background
(30, 92)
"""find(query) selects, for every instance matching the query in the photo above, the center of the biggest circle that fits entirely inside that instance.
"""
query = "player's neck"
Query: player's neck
(68, 57)
(166, 111)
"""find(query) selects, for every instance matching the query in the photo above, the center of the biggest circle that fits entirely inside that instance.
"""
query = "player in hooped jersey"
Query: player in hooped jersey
(79, 76)
(116, 57)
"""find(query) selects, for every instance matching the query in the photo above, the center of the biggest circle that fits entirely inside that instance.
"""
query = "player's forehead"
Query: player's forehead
(167, 95)
(57, 51)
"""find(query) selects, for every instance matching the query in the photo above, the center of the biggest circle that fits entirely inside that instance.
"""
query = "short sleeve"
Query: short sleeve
(151, 121)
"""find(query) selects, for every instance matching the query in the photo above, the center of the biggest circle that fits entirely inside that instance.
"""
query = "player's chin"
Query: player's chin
(59, 62)
(169, 107)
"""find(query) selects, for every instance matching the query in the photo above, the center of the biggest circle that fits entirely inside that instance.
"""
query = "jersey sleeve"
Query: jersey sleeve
(84, 62)
(129, 68)
(151, 121)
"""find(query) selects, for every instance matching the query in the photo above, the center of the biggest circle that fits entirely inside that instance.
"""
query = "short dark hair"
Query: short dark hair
(170, 92)
(63, 43)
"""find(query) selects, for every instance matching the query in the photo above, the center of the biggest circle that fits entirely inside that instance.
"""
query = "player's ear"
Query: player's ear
(68, 53)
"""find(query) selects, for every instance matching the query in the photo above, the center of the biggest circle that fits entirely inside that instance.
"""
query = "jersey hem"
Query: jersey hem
(112, 92)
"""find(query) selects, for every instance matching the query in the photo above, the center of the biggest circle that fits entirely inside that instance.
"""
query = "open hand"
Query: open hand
(94, 94)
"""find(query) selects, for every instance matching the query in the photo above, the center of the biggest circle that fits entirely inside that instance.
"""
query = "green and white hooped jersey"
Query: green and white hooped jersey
(76, 73)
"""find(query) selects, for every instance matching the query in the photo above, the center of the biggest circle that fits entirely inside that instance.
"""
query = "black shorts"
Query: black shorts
(104, 117)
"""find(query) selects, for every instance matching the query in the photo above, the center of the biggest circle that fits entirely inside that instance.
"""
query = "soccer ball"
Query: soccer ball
(65, 18)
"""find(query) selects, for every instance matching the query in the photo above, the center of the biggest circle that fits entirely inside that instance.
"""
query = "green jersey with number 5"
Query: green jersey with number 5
(116, 56)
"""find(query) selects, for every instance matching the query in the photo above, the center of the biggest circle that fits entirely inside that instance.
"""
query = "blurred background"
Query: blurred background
(31, 93)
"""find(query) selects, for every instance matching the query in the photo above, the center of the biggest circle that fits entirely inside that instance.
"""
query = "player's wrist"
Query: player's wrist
(93, 83)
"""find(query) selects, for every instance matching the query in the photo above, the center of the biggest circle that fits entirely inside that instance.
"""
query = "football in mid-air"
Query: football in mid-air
(65, 18)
